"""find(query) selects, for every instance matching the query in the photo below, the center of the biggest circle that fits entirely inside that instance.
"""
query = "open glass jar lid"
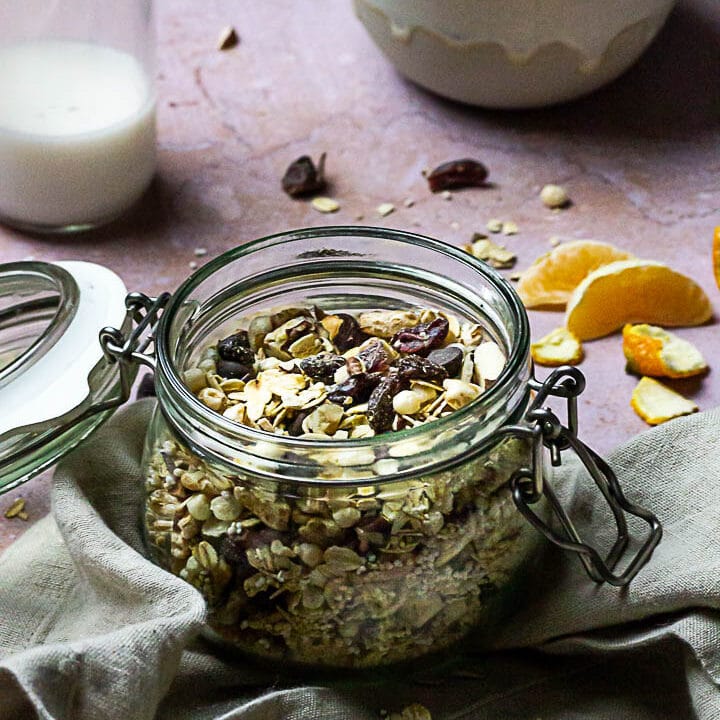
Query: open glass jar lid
(54, 376)
(71, 341)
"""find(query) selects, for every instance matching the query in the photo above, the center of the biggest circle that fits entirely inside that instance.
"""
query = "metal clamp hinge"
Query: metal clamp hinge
(528, 484)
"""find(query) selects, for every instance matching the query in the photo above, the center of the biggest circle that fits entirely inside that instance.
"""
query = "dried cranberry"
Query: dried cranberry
(422, 338)
(457, 174)
(414, 367)
(375, 357)
(380, 403)
(237, 348)
(233, 370)
(357, 387)
(449, 358)
(302, 177)
(349, 334)
(322, 367)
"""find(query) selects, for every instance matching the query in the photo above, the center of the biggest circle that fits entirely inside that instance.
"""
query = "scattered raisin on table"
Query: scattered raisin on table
(457, 174)
(302, 176)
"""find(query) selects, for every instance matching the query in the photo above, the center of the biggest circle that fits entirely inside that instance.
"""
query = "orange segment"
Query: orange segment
(634, 291)
(552, 277)
(559, 347)
(650, 350)
(655, 403)
(716, 255)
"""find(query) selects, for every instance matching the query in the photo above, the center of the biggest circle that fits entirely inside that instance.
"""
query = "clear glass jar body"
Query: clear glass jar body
(339, 553)
(77, 121)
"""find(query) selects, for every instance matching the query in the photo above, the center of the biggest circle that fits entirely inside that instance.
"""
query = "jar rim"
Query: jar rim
(187, 401)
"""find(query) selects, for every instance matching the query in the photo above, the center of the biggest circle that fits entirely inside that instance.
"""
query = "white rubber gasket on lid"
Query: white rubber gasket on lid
(58, 381)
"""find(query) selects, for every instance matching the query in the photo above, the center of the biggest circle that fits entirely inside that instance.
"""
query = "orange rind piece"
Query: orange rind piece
(551, 279)
(716, 255)
(634, 291)
(655, 403)
(651, 350)
(559, 347)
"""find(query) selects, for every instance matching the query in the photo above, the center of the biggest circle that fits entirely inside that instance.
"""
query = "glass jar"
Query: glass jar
(360, 552)
(336, 553)
(77, 118)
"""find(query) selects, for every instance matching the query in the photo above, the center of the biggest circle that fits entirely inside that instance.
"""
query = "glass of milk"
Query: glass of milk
(77, 111)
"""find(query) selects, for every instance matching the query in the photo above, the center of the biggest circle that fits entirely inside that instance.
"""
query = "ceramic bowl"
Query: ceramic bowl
(512, 53)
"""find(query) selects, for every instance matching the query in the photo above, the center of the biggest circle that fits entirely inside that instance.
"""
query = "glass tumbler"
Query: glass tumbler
(77, 117)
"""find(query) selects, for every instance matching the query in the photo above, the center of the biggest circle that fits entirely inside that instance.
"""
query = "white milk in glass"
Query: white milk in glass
(77, 133)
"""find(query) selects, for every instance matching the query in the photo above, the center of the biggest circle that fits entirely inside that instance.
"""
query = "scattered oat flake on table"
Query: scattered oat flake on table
(494, 225)
(325, 204)
(200, 251)
(509, 228)
(408, 202)
(492, 253)
(228, 38)
(17, 509)
(559, 347)
(384, 209)
(554, 196)
(656, 403)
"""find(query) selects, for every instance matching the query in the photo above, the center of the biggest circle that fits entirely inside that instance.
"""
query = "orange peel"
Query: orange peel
(551, 279)
(558, 347)
(651, 350)
(716, 255)
(656, 403)
(634, 291)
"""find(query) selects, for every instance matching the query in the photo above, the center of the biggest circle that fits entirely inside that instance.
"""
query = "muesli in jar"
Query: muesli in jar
(339, 572)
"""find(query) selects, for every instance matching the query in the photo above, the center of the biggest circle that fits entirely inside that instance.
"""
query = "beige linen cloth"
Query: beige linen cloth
(91, 630)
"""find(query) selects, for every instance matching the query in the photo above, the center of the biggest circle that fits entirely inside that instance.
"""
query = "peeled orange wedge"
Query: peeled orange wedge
(634, 291)
(551, 279)
(655, 403)
(650, 350)
(559, 347)
(716, 255)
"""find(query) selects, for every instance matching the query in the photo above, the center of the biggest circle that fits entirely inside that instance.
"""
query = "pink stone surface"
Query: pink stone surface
(640, 159)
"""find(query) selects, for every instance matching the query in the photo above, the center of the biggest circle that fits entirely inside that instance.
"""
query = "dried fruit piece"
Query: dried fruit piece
(630, 291)
(650, 350)
(655, 403)
(495, 255)
(236, 347)
(232, 369)
(380, 403)
(357, 388)
(422, 337)
(322, 367)
(415, 367)
(559, 347)
(551, 279)
(348, 333)
(303, 178)
(375, 356)
(457, 174)
(554, 196)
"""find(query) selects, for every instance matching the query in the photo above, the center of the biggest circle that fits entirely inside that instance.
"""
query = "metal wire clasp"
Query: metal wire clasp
(528, 484)
(127, 350)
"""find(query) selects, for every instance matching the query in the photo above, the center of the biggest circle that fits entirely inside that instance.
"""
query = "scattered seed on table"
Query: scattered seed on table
(325, 204)
(554, 196)
(228, 38)
(384, 209)
(494, 225)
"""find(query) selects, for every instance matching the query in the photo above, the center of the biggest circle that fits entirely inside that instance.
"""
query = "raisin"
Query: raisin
(237, 348)
(380, 403)
(233, 370)
(457, 174)
(302, 177)
(297, 331)
(295, 427)
(414, 367)
(422, 338)
(375, 357)
(449, 358)
(357, 387)
(349, 333)
(322, 367)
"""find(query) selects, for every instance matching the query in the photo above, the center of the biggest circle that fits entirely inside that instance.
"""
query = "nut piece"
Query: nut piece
(325, 204)
(228, 38)
(554, 196)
